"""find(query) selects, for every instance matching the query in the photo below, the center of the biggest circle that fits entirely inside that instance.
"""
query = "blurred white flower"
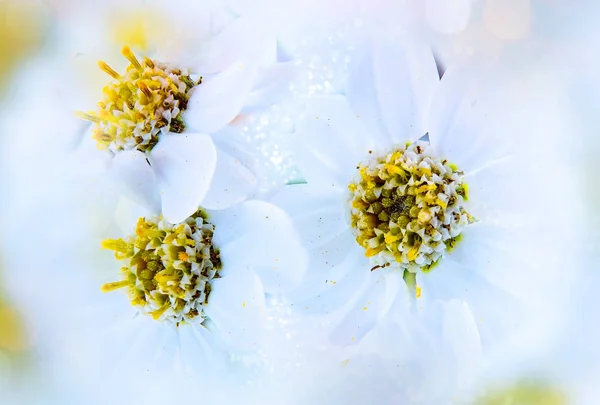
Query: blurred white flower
(407, 221)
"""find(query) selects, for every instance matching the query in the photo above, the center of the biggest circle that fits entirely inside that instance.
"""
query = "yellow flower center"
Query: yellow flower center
(168, 269)
(148, 99)
(406, 208)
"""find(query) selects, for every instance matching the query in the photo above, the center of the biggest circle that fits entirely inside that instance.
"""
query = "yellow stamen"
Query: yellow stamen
(148, 62)
(118, 246)
(143, 229)
(88, 116)
(108, 70)
(413, 253)
(393, 169)
(114, 286)
(389, 238)
(373, 251)
(131, 57)
(145, 89)
(159, 312)
(183, 256)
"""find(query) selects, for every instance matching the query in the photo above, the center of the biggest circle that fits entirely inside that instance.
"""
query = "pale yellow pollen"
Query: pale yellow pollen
(418, 291)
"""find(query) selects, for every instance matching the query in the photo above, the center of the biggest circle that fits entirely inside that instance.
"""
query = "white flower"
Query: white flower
(211, 269)
(105, 345)
(166, 122)
(470, 216)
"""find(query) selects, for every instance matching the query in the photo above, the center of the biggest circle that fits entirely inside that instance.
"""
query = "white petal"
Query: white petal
(259, 235)
(135, 178)
(272, 84)
(232, 183)
(326, 155)
(228, 139)
(362, 96)
(365, 313)
(327, 288)
(240, 40)
(235, 305)
(219, 99)
(406, 77)
(319, 215)
(184, 165)
(460, 124)
(462, 341)
(495, 308)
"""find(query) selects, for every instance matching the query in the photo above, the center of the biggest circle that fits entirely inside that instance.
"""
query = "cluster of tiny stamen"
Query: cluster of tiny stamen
(406, 208)
(147, 100)
(168, 269)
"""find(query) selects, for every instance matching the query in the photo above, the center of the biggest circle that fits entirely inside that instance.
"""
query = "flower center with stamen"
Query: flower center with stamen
(148, 99)
(406, 208)
(168, 269)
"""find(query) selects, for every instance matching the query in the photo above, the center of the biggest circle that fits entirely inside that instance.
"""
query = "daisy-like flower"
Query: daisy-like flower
(211, 270)
(166, 126)
(387, 212)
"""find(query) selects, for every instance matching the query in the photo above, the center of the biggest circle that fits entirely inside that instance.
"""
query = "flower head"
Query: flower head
(148, 99)
(168, 269)
(169, 120)
(413, 195)
(407, 208)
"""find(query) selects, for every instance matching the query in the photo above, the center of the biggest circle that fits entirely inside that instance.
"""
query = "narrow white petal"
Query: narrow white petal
(406, 77)
(232, 182)
(327, 150)
(184, 165)
(239, 40)
(272, 83)
(261, 236)
(219, 99)
(318, 215)
(365, 313)
(462, 342)
(328, 288)
(135, 178)
(362, 96)
(235, 305)
(461, 122)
